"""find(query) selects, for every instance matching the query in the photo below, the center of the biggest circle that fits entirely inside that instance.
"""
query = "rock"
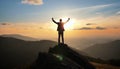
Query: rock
(61, 57)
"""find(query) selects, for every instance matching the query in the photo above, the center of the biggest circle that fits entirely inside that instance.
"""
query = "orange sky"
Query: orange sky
(38, 32)
(89, 27)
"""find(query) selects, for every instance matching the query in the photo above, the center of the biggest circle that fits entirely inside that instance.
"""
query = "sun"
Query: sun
(70, 24)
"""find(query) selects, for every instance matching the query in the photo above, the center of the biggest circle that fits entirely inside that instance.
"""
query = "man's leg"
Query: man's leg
(58, 37)
(62, 34)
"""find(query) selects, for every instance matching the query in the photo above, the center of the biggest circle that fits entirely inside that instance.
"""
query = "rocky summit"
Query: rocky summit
(61, 57)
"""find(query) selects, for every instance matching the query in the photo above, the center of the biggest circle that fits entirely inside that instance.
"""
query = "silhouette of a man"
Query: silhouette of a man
(60, 29)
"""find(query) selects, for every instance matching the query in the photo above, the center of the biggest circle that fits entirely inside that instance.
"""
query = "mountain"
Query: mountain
(15, 52)
(61, 57)
(22, 37)
(106, 51)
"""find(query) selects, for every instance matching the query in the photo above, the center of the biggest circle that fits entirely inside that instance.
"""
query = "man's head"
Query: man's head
(60, 20)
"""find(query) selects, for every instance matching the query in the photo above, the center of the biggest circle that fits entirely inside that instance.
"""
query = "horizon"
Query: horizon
(80, 43)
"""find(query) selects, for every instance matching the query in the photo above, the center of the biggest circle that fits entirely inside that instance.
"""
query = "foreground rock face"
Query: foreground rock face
(61, 57)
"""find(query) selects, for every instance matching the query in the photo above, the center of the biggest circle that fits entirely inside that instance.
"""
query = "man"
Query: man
(60, 29)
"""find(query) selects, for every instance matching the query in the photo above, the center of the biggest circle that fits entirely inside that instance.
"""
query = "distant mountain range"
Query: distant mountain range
(110, 50)
(15, 52)
(22, 37)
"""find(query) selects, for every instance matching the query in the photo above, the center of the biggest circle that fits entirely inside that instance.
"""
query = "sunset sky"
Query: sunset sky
(89, 18)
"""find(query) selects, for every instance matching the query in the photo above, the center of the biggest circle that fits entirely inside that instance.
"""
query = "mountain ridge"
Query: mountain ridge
(109, 50)
(15, 51)
(18, 36)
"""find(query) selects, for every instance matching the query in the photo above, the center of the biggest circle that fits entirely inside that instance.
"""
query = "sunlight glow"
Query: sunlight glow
(70, 24)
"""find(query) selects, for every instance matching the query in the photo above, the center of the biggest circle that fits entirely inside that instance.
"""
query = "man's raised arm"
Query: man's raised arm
(67, 20)
(54, 20)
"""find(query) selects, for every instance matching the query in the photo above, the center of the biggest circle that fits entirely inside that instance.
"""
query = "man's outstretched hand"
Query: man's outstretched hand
(68, 18)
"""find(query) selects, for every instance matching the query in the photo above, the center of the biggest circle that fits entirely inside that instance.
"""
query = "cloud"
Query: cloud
(116, 28)
(84, 28)
(89, 28)
(90, 24)
(33, 2)
(118, 13)
(4, 24)
(40, 27)
(90, 8)
(100, 28)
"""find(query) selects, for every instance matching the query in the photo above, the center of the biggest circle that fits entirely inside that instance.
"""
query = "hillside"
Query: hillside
(64, 57)
(61, 57)
(15, 52)
(107, 51)
(22, 37)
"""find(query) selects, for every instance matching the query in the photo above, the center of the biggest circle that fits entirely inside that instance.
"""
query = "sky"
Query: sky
(89, 18)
